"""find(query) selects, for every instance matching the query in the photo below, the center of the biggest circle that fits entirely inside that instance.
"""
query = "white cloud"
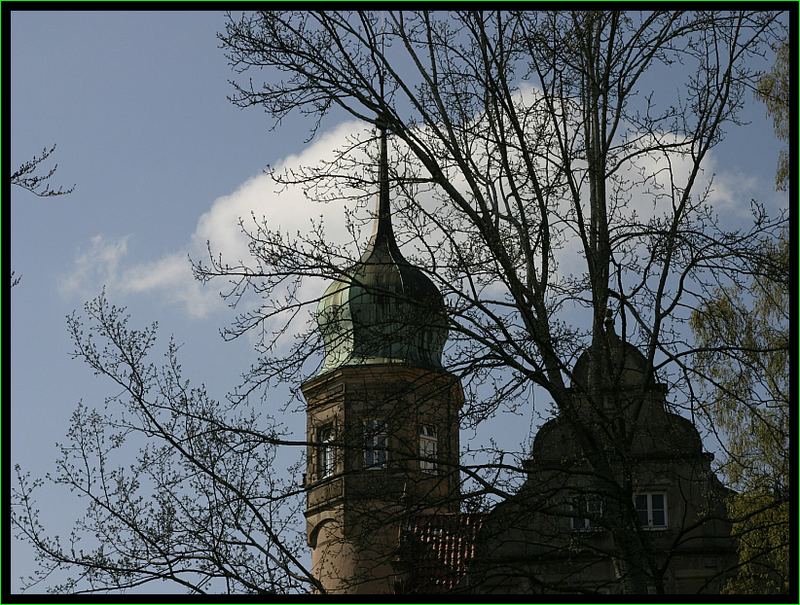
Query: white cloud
(288, 209)
(97, 265)
(171, 275)
(101, 265)
(732, 191)
(107, 261)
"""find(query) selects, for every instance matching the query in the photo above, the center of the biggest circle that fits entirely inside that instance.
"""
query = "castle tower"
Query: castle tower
(382, 415)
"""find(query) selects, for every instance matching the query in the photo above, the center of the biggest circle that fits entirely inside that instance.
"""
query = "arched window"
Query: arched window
(375, 444)
(326, 459)
(428, 448)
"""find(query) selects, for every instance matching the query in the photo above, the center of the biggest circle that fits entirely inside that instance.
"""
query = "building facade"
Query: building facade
(383, 415)
(557, 534)
(383, 482)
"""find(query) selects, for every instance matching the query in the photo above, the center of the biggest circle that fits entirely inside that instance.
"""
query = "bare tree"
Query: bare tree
(26, 177)
(525, 134)
(542, 179)
(179, 487)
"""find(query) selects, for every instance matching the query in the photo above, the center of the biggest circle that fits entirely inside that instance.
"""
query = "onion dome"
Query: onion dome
(383, 309)
(624, 366)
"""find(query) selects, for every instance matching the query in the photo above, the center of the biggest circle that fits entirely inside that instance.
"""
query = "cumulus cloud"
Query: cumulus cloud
(284, 207)
(732, 191)
(288, 209)
(102, 264)
(172, 276)
(95, 265)
(107, 261)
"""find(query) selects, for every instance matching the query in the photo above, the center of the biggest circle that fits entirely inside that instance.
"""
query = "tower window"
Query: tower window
(375, 440)
(326, 462)
(428, 448)
(587, 511)
(652, 510)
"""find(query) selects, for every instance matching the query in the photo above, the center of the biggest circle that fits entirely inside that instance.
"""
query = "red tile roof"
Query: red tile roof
(437, 549)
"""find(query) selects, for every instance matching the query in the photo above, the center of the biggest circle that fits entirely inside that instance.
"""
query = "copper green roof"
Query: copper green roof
(383, 309)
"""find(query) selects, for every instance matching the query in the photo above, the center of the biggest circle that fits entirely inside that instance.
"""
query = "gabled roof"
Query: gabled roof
(437, 549)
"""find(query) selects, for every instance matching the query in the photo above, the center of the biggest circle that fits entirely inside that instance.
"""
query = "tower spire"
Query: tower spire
(382, 227)
(382, 232)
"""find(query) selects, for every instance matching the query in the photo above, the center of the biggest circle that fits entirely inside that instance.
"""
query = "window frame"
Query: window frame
(650, 525)
(581, 512)
(428, 436)
(326, 451)
(376, 454)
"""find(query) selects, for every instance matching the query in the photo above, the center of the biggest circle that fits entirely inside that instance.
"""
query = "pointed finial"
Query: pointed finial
(609, 322)
(382, 227)
(381, 67)
(382, 233)
(382, 77)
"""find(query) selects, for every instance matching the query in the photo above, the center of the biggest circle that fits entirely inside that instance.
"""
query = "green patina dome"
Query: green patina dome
(383, 309)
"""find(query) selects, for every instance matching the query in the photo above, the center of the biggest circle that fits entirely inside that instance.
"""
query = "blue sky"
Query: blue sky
(136, 103)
